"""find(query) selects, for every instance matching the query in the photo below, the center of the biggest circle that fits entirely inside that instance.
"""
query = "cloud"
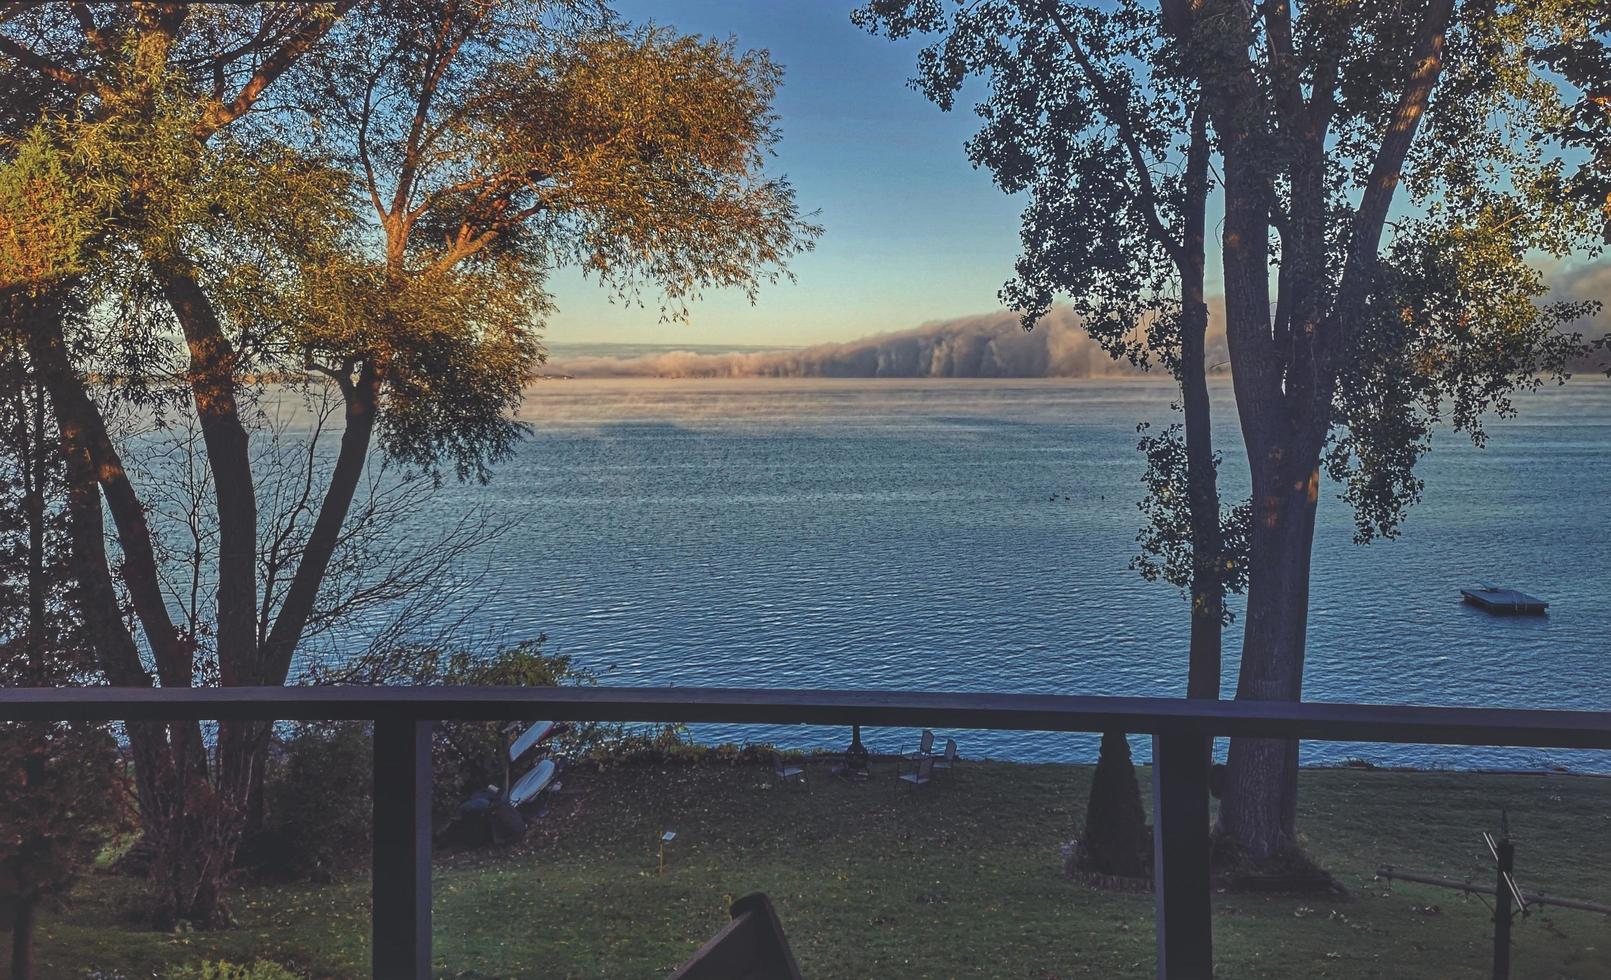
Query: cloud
(992, 345)
(1588, 281)
(1576, 283)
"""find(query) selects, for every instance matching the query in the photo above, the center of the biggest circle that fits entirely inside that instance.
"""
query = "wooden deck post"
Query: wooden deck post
(1180, 862)
(401, 877)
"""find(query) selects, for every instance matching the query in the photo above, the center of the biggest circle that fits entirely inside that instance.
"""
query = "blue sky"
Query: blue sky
(913, 232)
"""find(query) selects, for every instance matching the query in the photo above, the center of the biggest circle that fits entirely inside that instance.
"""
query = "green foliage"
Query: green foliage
(454, 348)
(318, 802)
(675, 196)
(1457, 325)
(498, 141)
(225, 970)
(1583, 60)
(1456, 317)
(1166, 537)
(108, 200)
(45, 222)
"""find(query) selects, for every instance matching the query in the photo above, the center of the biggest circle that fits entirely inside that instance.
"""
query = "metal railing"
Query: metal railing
(1180, 730)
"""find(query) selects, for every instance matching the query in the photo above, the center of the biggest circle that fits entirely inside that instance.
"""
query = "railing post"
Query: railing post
(1505, 857)
(1180, 861)
(401, 879)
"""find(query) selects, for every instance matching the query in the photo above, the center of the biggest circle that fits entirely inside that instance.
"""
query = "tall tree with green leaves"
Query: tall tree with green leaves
(1359, 316)
(1385, 197)
(1088, 113)
(494, 140)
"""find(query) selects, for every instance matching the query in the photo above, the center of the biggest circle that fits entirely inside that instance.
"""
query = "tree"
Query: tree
(1378, 327)
(1374, 333)
(1089, 115)
(58, 777)
(1115, 841)
(493, 141)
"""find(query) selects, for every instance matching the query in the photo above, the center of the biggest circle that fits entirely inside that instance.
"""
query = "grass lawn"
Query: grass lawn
(960, 878)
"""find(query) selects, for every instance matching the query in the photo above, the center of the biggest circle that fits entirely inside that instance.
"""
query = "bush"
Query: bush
(318, 800)
(222, 970)
(467, 756)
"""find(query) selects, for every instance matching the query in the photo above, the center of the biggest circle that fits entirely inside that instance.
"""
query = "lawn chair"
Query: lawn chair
(751, 947)
(921, 775)
(782, 772)
(925, 746)
(949, 759)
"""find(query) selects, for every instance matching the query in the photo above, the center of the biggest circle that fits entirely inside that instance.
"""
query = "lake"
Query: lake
(977, 535)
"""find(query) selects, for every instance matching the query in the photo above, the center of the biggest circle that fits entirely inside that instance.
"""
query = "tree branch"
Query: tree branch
(313, 27)
(1359, 269)
(1117, 112)
(83, 427)
(26, 57)
(363, 404)
(212, 383)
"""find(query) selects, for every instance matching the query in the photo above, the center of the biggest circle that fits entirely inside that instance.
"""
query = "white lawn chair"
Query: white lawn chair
(782, 772)
(925, 746)
(949, 759)
(922, 774)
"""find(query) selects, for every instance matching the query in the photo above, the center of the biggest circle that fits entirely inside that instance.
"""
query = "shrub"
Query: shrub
(469, 755)
(318, 802)
(1115, 841)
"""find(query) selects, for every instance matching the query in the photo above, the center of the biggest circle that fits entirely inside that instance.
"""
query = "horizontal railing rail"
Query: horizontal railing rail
(1181, 730)
(1307, 720)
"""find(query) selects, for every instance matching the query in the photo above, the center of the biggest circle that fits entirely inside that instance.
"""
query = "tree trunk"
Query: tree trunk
(213, 372)
(22, 938)
(1259, 809)
(1207, 584)
(179, 809)
(1202, 489)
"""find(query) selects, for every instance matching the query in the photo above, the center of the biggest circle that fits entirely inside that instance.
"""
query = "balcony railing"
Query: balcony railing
(1180, 730)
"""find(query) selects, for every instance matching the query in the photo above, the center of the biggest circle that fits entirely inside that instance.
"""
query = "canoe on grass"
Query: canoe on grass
(532, 783)
(531, 736)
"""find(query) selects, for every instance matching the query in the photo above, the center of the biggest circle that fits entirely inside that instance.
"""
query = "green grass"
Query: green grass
(960, 878)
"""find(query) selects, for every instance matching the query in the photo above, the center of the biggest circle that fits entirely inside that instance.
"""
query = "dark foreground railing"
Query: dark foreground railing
(1180, 731)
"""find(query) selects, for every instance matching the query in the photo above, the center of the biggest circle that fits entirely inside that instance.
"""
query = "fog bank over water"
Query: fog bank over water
(991, 345)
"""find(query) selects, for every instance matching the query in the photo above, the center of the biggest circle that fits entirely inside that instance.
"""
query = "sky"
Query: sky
(912, 232)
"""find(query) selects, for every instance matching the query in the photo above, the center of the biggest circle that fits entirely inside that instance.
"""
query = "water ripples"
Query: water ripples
(977, 535)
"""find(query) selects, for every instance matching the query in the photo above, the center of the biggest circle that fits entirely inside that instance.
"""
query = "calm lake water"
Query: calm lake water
(976, 535)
